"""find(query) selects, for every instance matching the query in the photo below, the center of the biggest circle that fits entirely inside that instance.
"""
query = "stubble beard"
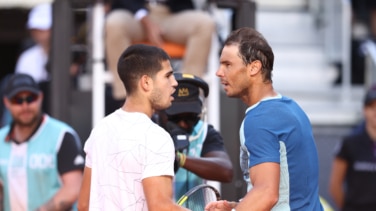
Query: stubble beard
(157, 102)
(27, 123)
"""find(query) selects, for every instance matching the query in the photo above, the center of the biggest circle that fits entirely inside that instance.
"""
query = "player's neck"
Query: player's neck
(257, 93)
(135, 105)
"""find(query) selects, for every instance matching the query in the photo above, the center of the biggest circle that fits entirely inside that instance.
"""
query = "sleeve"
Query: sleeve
(262, 144)
(341, 149)
(70, 156)
(346, 148)
(159, 154)
(213, 141)
(88, 146)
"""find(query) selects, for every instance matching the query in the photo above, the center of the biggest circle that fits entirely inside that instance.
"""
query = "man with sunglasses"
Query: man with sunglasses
(202, 156)
(41, 158)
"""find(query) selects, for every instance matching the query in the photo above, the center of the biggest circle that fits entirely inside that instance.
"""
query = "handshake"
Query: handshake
(181, 142)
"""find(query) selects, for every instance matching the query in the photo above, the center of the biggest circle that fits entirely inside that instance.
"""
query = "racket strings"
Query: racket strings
(198, 199)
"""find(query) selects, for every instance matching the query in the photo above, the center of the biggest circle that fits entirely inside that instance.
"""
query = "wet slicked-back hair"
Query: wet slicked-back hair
(253, 46)
(138, 60)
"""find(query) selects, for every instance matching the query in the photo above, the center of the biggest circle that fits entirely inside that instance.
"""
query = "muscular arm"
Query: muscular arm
(67, 194)
(337, 178)
(265, 192)
(84, 196)
(158, 194)
(215, 165)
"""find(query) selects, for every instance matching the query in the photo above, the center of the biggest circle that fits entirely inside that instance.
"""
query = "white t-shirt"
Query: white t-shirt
(33, 62)
(123, 149)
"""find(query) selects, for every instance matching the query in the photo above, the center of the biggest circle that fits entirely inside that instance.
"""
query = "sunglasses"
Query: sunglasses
(20, 100)
(190, 119)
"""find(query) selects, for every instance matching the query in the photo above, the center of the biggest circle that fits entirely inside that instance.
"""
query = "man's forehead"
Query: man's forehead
(230, 52)
(231, 48)
(23, 93)
(166, 67)
(166, 64)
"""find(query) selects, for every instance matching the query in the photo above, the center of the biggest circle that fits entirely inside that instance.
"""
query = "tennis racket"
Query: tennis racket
(197, 197)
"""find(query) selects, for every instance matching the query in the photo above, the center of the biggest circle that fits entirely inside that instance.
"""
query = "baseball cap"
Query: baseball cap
(40, 17)
(19, 83)
(187, 94)
(370, 95)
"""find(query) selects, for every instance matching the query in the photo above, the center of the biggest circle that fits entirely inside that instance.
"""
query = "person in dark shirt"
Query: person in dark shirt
(201, 155)
(353, 177)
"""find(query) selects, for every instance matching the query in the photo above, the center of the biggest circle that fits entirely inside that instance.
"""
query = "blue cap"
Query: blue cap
(20, 83)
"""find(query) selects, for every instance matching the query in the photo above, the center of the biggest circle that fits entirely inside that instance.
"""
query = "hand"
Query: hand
(221, 205)
(154, 33)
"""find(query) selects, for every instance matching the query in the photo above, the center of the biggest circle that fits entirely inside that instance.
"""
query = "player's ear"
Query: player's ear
(146, 83)
(255, 67)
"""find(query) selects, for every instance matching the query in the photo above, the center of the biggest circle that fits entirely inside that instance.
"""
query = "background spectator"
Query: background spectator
(33, 61)
(42, 157)
(352, 182)
(201, 155)
(174, 21)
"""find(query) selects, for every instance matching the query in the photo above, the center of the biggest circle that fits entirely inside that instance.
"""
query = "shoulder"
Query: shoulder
(355, 138)
(212, 130)
(34, 51)
(58, 125)
(353, 141)
(30, 57)
(155, 129)
(56, 122)
(4, 131)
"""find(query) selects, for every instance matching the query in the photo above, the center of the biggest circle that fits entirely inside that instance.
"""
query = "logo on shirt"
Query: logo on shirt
(41, 161)
(365, 166)
(78, 160)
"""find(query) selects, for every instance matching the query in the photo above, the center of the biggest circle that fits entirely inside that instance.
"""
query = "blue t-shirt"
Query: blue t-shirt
(277, 130)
